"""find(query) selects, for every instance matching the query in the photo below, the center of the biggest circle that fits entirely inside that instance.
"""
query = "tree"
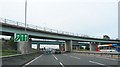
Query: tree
(87, 47)
(106, 37)
(81, 47)
(12, 44)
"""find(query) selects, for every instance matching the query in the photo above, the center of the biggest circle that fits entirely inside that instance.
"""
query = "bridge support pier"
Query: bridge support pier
(24, 47)
(38, 47)
(68, 46)
(78, 48)
(63, 47)
(93, 46)
(60, 47)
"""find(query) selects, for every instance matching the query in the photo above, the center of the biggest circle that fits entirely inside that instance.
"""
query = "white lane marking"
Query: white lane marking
(97, 63)
(61, 64)
(75, 57)
(107, 58)
(32, 60)
(103, 58)
(65, 54)
(55, 57)
(110, 59)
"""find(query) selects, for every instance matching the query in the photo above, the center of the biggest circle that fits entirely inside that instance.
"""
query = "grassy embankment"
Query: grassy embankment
(7, 52)
(11, 52)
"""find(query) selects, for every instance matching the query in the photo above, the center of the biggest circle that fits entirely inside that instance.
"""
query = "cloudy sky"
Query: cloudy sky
(90, 17)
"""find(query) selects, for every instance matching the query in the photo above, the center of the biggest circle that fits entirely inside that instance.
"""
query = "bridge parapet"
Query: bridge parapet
(7, 21)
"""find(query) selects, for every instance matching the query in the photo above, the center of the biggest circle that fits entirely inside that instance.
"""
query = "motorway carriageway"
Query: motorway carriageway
(71, 59)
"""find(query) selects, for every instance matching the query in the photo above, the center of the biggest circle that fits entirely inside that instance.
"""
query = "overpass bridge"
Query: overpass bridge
(10, 27)
(61, 44)
(54, 43)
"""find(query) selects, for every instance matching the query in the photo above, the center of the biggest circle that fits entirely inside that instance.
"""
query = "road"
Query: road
(71, 60)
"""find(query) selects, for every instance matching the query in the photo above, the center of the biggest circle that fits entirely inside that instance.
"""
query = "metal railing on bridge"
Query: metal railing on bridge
(7, 21)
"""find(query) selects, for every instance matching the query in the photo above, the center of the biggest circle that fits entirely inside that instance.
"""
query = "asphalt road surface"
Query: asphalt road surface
(71, 60)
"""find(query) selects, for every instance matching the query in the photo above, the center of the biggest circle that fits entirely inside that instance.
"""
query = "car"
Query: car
(53, 51)
(57, 51)
(47, 51)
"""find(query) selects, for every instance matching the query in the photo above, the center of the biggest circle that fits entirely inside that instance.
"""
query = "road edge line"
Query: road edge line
(32, 60)
(61, 64)
(75, 57)
(55, 57)
(96, 63)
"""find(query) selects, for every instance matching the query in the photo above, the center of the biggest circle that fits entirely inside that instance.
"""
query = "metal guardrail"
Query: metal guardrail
(101, 53)
(7, 21)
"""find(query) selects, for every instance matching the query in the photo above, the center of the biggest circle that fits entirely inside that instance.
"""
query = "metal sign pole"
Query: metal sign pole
(25, 14)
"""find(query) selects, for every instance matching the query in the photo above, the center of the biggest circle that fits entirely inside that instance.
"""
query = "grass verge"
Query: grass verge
(7, 52)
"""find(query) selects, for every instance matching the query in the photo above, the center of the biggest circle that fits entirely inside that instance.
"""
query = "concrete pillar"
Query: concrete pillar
(60, 47)
(24, 47)
(78, 48)
(68, 45)
(93, 47)
(63, 47)
(73, 47)
(30, 45)
(38, 47)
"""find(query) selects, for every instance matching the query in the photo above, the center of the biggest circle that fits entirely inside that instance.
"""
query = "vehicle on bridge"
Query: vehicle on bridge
(108, 48)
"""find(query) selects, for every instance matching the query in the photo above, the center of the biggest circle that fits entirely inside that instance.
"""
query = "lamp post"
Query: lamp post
(25, 14)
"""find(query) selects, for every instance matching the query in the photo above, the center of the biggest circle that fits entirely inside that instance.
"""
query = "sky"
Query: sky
(90, 17)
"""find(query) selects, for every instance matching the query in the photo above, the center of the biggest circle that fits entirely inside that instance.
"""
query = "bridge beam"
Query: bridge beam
(24, 47)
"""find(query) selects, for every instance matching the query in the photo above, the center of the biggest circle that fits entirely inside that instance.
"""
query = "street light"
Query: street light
(25, 14)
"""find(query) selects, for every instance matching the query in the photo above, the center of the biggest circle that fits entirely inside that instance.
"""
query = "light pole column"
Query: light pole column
(25, 14)
(77, 48)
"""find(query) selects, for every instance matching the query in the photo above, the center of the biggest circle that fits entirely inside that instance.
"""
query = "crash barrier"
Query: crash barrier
(111, 54)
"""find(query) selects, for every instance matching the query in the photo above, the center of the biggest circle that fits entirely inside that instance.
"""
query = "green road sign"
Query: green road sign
(20, 37)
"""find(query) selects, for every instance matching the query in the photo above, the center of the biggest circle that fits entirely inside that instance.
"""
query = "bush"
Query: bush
(8, 52)
(87, 48)
(12, 44)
